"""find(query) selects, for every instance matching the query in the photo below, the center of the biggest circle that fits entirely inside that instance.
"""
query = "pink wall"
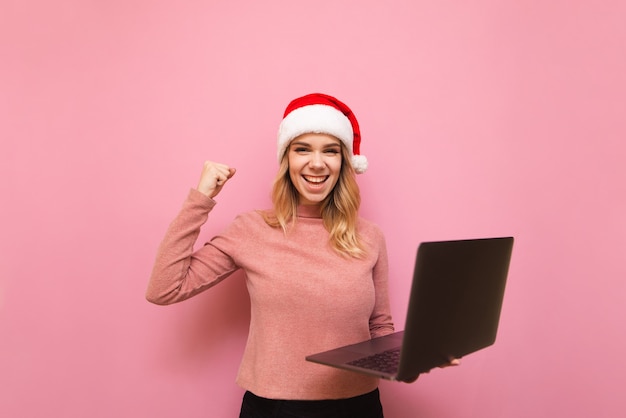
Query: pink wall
(479, 118)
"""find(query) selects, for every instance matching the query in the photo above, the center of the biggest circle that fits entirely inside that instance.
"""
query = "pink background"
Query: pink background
(479, 118)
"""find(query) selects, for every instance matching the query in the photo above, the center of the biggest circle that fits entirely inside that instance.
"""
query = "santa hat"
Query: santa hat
(320, 113)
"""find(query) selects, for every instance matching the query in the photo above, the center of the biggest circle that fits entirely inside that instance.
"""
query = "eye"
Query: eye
(332, 151)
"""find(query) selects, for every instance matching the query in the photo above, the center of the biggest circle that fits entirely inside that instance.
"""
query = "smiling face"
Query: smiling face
(314, 166)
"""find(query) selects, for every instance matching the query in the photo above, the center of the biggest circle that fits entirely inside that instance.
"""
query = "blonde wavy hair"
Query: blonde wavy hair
(339, 209)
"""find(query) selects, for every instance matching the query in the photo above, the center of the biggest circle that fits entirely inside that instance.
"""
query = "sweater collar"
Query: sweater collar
(308, 211)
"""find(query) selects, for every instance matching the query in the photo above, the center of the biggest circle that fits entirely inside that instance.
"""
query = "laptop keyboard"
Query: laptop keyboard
(386, 361)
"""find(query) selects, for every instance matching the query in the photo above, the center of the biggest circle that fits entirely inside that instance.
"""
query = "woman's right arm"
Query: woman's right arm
(178, 272)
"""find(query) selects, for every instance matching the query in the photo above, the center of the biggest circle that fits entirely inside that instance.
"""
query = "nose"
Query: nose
(316, 160)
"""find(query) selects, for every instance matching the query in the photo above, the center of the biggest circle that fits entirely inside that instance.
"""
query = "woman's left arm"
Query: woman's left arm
(381, 322)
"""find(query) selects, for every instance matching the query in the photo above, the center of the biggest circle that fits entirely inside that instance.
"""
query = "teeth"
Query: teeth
(315, 179)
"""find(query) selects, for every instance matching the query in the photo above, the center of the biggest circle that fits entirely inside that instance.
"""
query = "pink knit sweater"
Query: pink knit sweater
(305, 297)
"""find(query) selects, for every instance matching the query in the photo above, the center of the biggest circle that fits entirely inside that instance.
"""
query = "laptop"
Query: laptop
(454, 310)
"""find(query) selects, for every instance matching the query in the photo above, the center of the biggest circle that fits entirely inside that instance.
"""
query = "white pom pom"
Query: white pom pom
(359, 163)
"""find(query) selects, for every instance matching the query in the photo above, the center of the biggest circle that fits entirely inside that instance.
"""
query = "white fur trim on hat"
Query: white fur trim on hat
(316, 118)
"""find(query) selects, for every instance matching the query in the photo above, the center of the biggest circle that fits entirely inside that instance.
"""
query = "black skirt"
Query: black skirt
(363, 406)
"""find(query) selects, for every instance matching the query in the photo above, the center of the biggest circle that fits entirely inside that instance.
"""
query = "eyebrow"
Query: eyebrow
(306, 144)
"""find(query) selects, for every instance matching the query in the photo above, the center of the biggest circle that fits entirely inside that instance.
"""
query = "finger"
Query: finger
(451, 362)
(215, 170)
(213, 177)
(223, 171)
(224, 174)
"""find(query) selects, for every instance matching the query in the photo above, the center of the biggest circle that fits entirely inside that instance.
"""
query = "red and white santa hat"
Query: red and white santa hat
(320, 113)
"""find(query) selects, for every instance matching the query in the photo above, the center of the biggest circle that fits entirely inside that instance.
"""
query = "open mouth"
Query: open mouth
(315, 179)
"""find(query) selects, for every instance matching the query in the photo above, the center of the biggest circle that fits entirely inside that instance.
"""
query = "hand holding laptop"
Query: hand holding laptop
(454, 310)
(452, 363)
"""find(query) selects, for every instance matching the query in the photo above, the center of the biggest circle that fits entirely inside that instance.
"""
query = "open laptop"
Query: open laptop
(454, 310)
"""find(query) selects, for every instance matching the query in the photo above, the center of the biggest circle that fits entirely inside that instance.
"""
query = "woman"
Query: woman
(316, 272)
